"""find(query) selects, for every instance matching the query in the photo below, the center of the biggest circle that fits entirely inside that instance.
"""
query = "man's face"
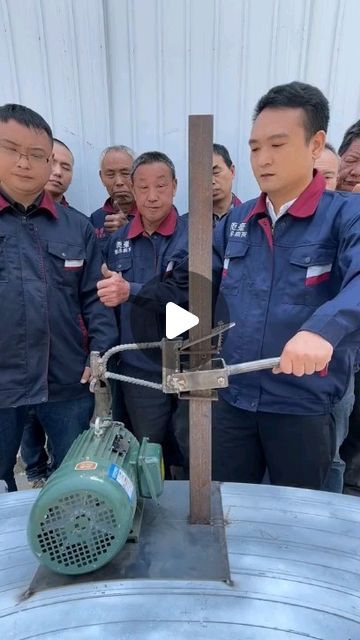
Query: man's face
(222, 178)
(281, 158)
(115, 176)
(154, 191)
(23, 176)
(328, 165)
(61, 173)
(349, 172)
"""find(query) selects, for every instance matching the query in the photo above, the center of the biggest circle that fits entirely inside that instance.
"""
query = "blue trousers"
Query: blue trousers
(350, 450)
(341, 414)
(62, 421)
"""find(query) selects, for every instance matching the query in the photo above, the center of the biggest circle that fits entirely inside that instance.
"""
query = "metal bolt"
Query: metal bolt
(221, 381)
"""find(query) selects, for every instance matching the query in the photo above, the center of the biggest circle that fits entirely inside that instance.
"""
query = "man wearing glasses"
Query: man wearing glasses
(51, 316)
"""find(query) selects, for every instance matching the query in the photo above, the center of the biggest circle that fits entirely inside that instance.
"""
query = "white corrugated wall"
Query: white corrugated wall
(130, 71)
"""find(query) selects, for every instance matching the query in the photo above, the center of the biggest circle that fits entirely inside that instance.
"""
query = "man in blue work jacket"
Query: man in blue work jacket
(288, 268)
(147, 249)
(51, 315)
(223, 173)
(34, 452)
(115, 169)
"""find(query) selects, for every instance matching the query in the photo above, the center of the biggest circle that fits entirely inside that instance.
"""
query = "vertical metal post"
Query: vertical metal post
(200, 303)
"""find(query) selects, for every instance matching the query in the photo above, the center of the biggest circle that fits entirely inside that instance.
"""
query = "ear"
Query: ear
(317, 144)
(232, 169)
(174, 187)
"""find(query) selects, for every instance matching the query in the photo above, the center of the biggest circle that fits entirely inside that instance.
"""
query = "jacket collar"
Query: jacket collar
(108, 206)
(45, 202)
(166, 227)
(305, 204)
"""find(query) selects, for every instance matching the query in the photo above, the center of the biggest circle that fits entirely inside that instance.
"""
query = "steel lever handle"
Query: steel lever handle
(254, 365)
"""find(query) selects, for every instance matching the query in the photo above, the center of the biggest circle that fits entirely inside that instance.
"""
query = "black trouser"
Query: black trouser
(350, 450)
(118, 407)
(33, 449)
(151, 413)
(296, 449)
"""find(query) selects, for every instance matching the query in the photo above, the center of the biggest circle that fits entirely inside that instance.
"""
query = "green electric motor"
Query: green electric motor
(83, 515)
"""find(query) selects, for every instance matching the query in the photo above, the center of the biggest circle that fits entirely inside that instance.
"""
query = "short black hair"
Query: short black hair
(330, 147)
(351, 134)
(222, 151)
(64, 145)
(299, 95)
(26, 117)
(150, 157)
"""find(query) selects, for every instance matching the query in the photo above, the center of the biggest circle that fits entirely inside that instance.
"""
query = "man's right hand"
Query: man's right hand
(114, 221)
(113, 290)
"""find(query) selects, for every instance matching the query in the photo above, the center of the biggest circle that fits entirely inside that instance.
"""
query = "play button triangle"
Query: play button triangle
(178, 320)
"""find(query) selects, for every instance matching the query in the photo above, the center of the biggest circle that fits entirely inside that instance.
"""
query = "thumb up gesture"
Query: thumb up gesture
(113, 290)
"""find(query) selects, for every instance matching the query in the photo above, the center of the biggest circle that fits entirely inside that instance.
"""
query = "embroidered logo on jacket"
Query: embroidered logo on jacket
(238, 230)
(122, 246)
(100, 232)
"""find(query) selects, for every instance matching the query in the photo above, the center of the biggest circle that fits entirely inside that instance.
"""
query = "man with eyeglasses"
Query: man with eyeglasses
(51, 316)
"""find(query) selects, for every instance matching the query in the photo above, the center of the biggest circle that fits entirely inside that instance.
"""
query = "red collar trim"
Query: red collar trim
(235, 201)
(304, 206)
(46, 203)
(166, 228)
(108, 207)
(3, 203)
(64, 202)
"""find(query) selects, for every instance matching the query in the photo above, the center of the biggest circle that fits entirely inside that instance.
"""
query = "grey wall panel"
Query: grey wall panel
(131, 71)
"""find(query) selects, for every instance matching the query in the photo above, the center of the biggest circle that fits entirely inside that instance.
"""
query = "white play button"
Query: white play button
(178, 320)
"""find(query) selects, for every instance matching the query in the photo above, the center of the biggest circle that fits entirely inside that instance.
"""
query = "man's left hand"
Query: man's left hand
(304, 354)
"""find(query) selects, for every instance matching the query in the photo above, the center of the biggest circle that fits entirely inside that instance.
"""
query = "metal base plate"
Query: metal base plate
(168, 546)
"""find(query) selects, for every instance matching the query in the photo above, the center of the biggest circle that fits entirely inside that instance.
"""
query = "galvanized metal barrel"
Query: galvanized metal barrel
(295, 566)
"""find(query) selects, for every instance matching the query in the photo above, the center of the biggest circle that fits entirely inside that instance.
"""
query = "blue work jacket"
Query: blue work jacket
(51, 316)
(143, 258)
(303, 273)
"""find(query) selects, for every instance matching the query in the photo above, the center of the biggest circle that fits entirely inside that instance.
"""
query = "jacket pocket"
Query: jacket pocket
(234, 267)
(3, 261)
(310, 279)
(121, 265)
(65, 263)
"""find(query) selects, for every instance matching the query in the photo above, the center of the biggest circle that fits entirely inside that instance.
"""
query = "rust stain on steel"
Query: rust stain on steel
(200, 303)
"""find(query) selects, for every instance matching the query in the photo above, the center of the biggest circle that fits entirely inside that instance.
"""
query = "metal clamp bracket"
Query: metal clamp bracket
(176, 377)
